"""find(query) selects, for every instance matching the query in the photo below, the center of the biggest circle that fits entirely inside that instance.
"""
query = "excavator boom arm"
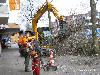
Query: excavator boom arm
(45, 7)
(36, 17)
(52, 9)
(40, 12)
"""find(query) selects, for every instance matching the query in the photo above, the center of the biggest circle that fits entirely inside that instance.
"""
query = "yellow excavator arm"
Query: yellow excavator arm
(36, 17)
(53, 9)
(45, 7)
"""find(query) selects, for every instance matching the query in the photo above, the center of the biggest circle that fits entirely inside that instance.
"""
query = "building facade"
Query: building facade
(3, 17)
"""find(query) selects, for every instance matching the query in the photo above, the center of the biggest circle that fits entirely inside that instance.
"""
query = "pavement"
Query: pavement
(12, 64)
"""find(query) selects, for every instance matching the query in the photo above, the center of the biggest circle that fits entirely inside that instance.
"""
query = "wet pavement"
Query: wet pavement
(12, 64)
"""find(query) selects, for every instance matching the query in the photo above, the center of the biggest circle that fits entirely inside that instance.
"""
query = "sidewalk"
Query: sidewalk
(11, 63)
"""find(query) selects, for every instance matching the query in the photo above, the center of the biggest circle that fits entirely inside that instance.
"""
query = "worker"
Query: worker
(20, 42)
(23, 40)
(29, 38)
(26, 53)
(35, 54)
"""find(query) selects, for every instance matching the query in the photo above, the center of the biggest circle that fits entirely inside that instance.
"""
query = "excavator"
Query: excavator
(47, 6)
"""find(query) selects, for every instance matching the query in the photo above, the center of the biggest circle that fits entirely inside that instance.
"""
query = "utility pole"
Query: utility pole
(49, 17)
(94, 26)
(50, 26)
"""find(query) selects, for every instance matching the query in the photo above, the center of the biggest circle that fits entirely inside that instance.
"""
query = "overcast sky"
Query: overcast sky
(65, 7)
(79, 6)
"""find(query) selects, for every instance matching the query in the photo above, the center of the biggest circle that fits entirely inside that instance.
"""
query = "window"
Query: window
(2, 1)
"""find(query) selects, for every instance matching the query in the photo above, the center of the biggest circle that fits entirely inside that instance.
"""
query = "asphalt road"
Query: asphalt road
(12, 64)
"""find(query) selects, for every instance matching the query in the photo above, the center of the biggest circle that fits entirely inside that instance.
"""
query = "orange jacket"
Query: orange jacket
(22, 40)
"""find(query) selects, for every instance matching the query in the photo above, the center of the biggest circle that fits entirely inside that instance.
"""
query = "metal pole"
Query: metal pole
(49, 17)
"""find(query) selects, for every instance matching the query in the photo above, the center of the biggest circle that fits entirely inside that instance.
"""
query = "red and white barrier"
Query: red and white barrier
(51, 57)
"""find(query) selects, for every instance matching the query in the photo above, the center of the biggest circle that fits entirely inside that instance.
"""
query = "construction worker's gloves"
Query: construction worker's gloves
(27, 50)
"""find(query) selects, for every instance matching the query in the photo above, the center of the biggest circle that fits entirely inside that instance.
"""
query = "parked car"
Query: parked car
(8, 43)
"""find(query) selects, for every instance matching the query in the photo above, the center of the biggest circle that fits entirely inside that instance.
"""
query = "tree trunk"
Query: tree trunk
(95, 47)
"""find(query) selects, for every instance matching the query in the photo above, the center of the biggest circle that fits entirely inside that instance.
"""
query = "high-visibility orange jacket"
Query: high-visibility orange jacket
(22, 40)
